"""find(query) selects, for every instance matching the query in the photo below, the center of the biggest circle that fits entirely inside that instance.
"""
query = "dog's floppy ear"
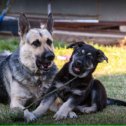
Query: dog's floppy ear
(50, 19)
(23, 24)
(101, 56)
(75, 45)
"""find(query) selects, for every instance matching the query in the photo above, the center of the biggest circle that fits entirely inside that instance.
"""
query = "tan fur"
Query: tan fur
(27, 57)
(27, 51)
(24, 76)
(21, 88)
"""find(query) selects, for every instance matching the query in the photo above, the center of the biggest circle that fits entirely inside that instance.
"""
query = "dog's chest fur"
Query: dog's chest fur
(35, 84)
(77, 86)
(41, 84)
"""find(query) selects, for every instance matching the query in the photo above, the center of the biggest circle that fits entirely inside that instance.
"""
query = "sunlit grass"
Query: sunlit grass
(8, 44)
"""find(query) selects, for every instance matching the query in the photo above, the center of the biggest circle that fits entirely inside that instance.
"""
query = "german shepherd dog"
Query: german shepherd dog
(28, 72)
(85, 93)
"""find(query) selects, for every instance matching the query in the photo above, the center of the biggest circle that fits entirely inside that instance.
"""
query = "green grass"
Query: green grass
(112, 75)
(10, 44)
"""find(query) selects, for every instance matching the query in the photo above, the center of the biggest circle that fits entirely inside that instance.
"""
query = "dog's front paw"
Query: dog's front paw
(60, 115)
(72, 115)
(29, 116)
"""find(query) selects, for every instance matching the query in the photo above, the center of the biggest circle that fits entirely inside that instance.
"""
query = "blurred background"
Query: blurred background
(101, 21)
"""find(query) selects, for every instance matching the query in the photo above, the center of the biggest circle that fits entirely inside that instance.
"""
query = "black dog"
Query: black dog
(85, 93)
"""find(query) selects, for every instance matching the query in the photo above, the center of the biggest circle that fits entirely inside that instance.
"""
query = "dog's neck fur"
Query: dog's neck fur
(24, 75)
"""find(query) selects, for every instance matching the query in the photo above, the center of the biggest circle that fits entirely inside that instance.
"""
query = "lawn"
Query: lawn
(111, 74)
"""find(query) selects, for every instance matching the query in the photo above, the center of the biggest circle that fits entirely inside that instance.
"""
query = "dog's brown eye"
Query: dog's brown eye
(49, 42)
(36, 43)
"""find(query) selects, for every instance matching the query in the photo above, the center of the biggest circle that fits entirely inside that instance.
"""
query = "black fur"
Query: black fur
(111, 101)
(85, 93)
(4, 97)
(81, 83)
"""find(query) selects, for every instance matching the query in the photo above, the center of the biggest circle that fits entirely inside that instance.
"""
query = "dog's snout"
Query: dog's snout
(78, 63)
(49, 56)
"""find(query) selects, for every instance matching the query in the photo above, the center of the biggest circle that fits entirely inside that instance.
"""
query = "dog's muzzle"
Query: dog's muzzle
(44, 62)
(79, 67)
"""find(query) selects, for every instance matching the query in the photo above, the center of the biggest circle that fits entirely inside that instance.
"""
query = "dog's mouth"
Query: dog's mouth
(80, 69)
(77, 70)
(44, 65)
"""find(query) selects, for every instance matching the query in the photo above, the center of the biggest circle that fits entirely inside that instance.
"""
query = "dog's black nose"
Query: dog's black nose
(78, 63)
(49, 56)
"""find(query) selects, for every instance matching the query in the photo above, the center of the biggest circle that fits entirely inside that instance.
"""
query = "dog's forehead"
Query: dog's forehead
(38, 33)
(87, 49)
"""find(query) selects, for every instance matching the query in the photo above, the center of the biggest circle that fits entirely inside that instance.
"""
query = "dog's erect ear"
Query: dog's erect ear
(75, 45)
(23, 24)
(101, 56)
(50, 19)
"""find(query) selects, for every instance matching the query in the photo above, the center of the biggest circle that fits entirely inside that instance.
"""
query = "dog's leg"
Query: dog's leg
(17, 102)
(98, 99)
(90, 109)
(41, 109)
(80, 108)
(16, 108)
(44, 106)
(18, 96)
(57, 104)
(65, 110)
